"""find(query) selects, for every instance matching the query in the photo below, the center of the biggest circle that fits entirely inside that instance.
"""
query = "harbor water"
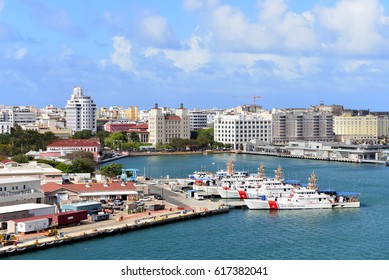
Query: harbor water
(335, 234)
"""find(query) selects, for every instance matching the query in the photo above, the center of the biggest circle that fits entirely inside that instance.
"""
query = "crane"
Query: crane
(254, 98)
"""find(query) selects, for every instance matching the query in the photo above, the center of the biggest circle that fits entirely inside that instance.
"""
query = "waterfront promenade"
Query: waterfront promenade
(177, 208)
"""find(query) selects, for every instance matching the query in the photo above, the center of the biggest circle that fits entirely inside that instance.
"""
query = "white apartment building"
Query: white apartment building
(164, 125)
(365, 128)
(5, 127)
(22, 116)
(81, 112)
(198, 119)
(239, 129)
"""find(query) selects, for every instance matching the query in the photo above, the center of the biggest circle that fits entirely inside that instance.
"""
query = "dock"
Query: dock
(177, 208)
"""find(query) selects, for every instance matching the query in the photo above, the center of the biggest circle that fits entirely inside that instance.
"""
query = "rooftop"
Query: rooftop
(23, 207)
(75, 143)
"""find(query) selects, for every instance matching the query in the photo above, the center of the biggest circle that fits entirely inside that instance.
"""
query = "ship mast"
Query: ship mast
(230, 167)
(261, 171)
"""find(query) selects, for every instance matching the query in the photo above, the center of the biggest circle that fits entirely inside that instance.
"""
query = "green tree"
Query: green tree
(49, 162)
(63, 167)
(5, 150)
(21, 158)
(81, 166)
(83, 134)
(116, 139)
(102, 135)
(5, 138)
(80, 155)
(134, 137)
(111, 170)
(48, 138)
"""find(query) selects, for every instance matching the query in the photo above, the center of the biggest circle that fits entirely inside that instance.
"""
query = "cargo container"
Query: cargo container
(69, 217)
(100, 217)
(93, 207)
(32, 225)
(155, 207)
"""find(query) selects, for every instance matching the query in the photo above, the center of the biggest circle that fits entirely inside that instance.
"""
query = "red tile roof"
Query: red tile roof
(94, 187)
(75, 143)
(141, 126)
(7, 161)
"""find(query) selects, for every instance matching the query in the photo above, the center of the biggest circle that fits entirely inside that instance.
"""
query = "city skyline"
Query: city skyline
(200, 53)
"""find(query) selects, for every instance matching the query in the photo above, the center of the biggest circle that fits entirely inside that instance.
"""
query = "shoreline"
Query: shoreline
(121, 226)
(345, 160)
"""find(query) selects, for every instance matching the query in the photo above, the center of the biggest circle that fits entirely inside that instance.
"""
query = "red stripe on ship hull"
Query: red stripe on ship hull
(273, 205)
(242, 194)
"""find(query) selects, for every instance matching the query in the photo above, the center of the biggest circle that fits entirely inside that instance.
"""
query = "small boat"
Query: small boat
(41, 244)
(309, 197)
(10, 250)
(108, 230)
(50, 243)
(58, 241)
(21, 249)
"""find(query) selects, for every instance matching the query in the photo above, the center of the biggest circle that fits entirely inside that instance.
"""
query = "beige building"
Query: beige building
(364, 128)
(310, 124)
(42, 171)
(164, 126)
(132, 113)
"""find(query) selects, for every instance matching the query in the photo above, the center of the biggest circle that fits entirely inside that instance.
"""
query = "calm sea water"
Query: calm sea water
(344, 234)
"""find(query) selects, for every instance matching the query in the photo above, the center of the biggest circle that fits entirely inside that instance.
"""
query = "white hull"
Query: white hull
(257, 204)
(238, 194)
(355, 204)
(210, 190)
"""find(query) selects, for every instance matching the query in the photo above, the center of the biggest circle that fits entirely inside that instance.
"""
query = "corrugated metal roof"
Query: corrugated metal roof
(18, 180)
(75, 143)
(23, 207)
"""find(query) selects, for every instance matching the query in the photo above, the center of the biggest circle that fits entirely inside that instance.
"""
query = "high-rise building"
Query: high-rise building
(81, 112)
(132, 113)
(164, 126)
(198, 119)
(238, 129)
(302, 124)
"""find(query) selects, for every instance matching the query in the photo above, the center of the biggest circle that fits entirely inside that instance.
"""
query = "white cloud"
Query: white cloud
(276, 29)
(155, 30)
(191, 58)
(196, 5)
(356, 25)
(16, 53)
(122, 53)
(350, 66)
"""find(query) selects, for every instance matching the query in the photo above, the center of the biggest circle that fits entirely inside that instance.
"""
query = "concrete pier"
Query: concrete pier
(177, 208)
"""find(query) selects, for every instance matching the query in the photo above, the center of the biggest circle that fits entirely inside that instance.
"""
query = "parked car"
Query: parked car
(158, 197)
(117, 202)
(103, 201)
(140, 203)
(146, 198)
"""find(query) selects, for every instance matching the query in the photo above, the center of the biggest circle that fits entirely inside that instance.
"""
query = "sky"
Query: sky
(202, 53)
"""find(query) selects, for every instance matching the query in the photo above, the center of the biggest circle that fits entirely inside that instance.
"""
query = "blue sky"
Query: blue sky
(204, 54)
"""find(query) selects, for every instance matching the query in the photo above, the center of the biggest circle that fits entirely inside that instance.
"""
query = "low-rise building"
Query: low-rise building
(60, 194)
(67, 146)
(368, 128)
(42, 171)
(18, 190)
(23, 211)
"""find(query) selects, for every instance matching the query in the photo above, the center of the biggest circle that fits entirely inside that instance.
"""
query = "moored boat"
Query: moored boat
(306, 198)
